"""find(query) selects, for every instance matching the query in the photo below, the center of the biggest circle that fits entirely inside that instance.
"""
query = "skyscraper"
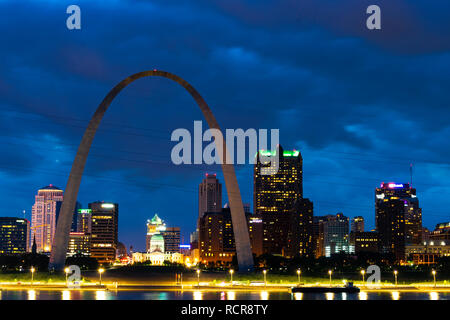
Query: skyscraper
(171, 239)
(300, 237)
(398, 218)
(216, 236)
(336, 235)
(79, 244)
(74, 227)
(84, 221)
(364, 241)
(209, 195)
(44, 215)
(275, 197)
(318, 236)
(14, 235)
(104, 231)
(357, 224)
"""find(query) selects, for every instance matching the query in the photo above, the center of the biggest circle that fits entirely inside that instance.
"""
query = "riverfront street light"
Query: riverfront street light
(330, 272)
(198, 277)
(66, 271)
(362, 273)
(395, 274)
(32, 274)
(265, 278)
(231, 276)
(434, 277)
(299, 272)
(100, 271)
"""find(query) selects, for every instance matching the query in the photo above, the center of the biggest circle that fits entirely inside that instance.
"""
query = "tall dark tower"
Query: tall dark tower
(276, 197)
(398, 218)
(34, 246)
(104, 231)
(209, 195)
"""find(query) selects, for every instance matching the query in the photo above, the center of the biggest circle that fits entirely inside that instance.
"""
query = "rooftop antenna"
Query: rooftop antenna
(23, 214)
(411, 174)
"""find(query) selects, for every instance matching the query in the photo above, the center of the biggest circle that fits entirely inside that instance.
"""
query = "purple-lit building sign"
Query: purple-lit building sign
(395, 185)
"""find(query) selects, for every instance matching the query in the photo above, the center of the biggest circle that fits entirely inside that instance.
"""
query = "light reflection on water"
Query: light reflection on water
(231, 295)
(363, 295)
(66, 295)
(31, 295)
(198, 295)
(298, 296)
(100, 295)
(264, 295)
(395, 295)
(210, 295)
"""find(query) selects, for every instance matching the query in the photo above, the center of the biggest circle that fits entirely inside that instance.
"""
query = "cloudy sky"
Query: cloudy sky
(360, 105)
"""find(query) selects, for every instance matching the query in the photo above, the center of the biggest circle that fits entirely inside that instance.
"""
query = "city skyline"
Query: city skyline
(393, 186)
(373, 130)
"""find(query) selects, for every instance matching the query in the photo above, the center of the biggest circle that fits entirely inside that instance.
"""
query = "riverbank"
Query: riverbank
(211, 288)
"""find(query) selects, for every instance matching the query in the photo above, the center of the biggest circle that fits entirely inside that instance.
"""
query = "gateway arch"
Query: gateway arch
(61, 239)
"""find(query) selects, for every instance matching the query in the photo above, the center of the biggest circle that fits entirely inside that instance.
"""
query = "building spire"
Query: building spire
(411, 174)
(34, 247)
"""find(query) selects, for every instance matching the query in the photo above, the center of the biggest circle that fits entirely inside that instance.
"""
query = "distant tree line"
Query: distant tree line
(24, 262)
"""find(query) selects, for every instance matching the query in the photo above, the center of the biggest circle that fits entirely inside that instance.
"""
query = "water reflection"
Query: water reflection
(298, 296)
(395, 295)
(264, 295)
(161, 296)
(31, 295)
(231, 295)
(198, 295)
(66, 295)
(434, 296)
(100, 295)
(34, 294)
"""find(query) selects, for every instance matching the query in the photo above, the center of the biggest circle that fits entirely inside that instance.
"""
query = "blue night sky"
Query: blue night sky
(360, 105)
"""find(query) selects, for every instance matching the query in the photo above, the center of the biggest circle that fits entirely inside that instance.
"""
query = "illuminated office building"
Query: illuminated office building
(357, 224)
(318, 236)
(366, 241)
(274, 198)
(79, 244)
(209, 200)
(44, 215)
(300, 235)
(14, 235)
(171, 237)
(336, 235)
(209, 195)
(398, 218)
(428, 252)
(440, 233)
(216, 236)
(84, 221)
(104, 231)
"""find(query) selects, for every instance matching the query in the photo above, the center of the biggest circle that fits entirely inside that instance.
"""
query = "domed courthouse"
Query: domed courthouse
(156, 247)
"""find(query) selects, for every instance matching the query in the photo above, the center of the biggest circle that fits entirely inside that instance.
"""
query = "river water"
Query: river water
(207, 295)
